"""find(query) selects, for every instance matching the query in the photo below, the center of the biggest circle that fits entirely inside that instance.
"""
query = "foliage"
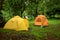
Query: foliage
(29, 7)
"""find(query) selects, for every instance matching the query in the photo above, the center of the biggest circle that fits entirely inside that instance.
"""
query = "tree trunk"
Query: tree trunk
(22, 7)
(36, 13)
(1, 3)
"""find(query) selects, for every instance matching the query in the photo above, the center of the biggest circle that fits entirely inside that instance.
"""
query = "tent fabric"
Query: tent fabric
(41, 20)
(17, 23)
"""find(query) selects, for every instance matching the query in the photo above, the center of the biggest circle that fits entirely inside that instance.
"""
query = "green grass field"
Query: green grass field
(39, 33)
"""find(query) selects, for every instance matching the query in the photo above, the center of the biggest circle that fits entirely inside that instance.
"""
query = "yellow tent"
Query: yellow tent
(17, 23)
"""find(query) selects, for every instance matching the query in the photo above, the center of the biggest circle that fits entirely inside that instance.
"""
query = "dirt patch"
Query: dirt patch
(15, 36)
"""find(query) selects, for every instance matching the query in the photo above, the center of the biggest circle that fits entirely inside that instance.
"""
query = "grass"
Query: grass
(38, 32)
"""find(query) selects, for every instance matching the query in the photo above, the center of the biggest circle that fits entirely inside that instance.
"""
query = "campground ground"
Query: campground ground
(52, 32)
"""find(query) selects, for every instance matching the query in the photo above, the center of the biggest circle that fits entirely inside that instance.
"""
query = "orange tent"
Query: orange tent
(41, 20)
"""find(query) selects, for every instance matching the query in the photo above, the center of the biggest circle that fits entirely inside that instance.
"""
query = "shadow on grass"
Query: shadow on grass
(54, 33)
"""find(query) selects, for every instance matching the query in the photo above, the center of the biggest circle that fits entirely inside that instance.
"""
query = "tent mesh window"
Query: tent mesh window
(38, 20)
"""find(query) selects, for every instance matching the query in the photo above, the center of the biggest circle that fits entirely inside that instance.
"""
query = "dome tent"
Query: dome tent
(41, 20)
(17, 23)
